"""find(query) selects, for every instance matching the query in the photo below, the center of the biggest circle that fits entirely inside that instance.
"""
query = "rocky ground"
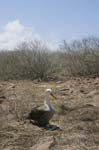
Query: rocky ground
(78, 115)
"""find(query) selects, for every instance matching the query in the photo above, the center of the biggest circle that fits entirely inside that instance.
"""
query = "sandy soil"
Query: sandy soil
(78, 115)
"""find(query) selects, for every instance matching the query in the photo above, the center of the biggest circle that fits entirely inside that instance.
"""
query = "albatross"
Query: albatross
(42, 117)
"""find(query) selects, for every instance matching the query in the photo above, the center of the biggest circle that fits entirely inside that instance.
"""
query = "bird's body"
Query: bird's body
(43, 116)
(40, 117)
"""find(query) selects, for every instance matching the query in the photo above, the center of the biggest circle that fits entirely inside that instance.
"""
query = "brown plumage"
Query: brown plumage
(43, 116)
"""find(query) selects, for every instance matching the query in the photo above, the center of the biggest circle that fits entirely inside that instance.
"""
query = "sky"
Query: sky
(47, 20)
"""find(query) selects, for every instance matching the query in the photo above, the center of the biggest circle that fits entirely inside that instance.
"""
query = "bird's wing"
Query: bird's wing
(36, 114)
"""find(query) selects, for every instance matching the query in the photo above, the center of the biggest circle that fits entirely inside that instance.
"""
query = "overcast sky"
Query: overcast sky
(49, 20)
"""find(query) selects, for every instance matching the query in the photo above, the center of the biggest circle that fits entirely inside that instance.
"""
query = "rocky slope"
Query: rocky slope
(77, 113)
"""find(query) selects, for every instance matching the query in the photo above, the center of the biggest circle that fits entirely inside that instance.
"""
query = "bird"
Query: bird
(42, 117)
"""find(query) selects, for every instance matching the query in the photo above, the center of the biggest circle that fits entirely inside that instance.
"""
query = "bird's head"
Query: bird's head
(50, 92)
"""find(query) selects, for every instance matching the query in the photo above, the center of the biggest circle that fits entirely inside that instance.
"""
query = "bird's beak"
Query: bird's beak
(53, 96)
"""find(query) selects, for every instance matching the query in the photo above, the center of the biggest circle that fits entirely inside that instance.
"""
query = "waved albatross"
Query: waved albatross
(41, 117)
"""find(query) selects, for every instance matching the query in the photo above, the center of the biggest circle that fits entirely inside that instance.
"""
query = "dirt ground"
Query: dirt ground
(77, 113)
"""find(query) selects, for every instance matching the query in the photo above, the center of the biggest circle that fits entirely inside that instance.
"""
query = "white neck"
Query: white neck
(47, 103)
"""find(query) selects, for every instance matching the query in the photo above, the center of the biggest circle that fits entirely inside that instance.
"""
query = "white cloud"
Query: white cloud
(14, 33)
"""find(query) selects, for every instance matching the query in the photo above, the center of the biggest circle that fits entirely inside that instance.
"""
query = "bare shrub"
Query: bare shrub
(25, 62)
(81, 57)
(34, 60)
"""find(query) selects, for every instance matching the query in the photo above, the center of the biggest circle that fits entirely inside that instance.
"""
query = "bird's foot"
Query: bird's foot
(52, 127)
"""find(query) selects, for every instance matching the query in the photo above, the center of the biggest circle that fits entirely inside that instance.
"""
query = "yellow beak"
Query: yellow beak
(53, 96)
